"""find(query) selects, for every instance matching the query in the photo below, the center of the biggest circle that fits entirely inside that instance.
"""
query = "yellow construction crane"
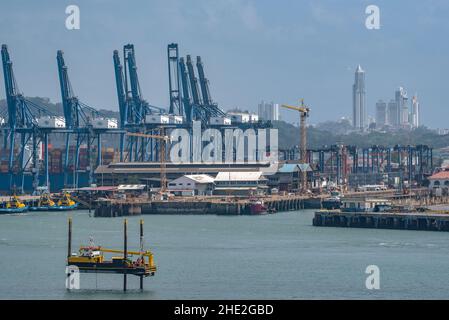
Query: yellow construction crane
(303, 114)
(162, 151)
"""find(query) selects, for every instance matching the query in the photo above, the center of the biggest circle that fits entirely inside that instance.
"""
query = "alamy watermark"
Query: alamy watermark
(72, 22)
(72, 280)
(372, 21)
(226, 146)
(372, 282)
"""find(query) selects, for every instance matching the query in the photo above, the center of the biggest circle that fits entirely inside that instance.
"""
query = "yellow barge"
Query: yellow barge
(91, 258)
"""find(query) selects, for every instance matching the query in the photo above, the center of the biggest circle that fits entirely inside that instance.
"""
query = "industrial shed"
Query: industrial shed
(240, 183)
(196, 184)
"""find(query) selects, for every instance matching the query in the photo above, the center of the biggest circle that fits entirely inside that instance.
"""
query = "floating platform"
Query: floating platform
(383, 220)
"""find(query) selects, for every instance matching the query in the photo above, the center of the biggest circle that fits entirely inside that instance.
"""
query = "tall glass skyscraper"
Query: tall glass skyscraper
(358, 100)
(401, 101)
(415, 111)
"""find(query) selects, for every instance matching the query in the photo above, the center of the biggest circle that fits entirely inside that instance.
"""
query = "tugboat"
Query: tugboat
(44, 204)
(14, 205)
(257, 207)
(64, 203)
(331, 203)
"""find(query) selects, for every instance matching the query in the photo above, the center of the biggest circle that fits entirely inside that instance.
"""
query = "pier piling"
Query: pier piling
(125, 250)
(69, 244)
(141, 250)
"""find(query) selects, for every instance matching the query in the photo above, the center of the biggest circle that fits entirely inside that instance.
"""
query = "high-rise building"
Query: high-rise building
(268, 111)
(392, 114)
(358, 100)
(415, 112)
(381, 114)
(401, 101)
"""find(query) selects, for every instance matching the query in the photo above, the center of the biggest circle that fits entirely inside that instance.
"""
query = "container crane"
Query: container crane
(173, 79)
(303, 114)
(75, 117)
(122, 99)
(22, 119)
(80, 121)
(137, 107)
(195, 92)
(212, 108)
(186, 99)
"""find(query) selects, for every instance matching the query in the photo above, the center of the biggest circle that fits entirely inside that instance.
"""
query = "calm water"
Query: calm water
(278, 256)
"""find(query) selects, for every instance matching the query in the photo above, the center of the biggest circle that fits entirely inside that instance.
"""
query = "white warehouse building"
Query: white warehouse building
(198, 184)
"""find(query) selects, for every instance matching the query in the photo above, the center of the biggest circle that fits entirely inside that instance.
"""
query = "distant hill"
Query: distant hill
(325, 133)
(321, 135)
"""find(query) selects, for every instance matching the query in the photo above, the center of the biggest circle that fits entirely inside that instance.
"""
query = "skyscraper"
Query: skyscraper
(393, 113)
(401, 101)
(268, 111)
(358, 100)
(381, 114)
(415, 112)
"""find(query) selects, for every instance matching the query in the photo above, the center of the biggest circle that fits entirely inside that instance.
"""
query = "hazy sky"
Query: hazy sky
(252, 50)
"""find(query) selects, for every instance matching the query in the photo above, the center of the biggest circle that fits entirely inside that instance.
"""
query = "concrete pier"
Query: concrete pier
(221, 205)
(198, 205)
(383, 220)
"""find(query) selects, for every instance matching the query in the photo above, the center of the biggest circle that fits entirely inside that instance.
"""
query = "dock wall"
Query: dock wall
(400, 221)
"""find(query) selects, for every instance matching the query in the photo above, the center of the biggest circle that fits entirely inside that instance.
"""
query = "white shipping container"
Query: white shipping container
(51, 122)
(104, 123)
(220, 121)
(157, 118)
(254, 117)
(176, 119)
(240, 117)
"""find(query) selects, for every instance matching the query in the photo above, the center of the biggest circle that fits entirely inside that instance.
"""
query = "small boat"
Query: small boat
(14, 205)
(45, 203)
(64, 203)
(257, 207)
(331, 203)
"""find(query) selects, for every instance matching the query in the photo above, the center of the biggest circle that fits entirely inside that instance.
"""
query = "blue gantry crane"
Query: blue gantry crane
(133, 108)
(23, 116)
(174, 83)
(82, 121)
(212, 109)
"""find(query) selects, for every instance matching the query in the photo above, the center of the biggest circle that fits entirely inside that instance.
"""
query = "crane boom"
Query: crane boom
(186, 100)
(193, 82)
(173, 79)
(69, 101)
(120, 84)
(204, 83)
(132, 86)
(144, 253)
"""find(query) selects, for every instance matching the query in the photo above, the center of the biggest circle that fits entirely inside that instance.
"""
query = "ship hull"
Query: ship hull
(15, 210)
(41, 208)
(257, 209)
(63, 208)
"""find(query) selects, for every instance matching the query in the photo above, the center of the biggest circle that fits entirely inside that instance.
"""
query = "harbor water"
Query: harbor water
(279, 256)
